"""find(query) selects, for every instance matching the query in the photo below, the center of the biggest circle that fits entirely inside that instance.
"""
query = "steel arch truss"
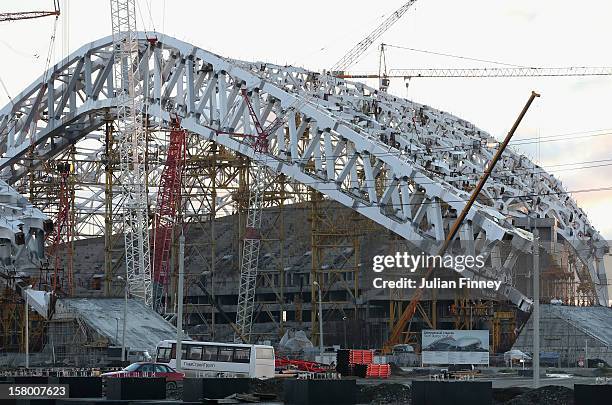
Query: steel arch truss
(22, 234)
(406, 166)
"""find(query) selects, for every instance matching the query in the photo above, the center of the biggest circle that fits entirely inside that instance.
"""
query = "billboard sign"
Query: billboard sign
(455, 346)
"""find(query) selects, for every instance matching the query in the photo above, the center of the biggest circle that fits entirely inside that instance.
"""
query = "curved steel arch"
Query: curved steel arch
(404, 165)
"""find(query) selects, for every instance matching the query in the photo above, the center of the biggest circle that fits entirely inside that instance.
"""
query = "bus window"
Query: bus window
(242, 354)
(265, 353)
(209, 353)
(183, 351)
(225, 353)
(195, 352)
(163, 354)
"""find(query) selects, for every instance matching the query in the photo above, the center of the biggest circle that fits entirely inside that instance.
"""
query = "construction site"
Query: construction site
(153, 190)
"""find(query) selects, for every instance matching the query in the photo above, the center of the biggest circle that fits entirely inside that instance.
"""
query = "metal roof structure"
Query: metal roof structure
(593, 321)
(145, 328)
(401, 164)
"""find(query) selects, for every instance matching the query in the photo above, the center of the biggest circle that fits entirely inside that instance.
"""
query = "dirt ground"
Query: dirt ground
(272, 386)
(391, 393)
(384, 394)
(547, 395)
(395, 394)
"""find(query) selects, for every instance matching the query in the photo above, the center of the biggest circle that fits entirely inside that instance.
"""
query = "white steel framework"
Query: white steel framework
(250, 255)
(252, 238)
(131, 139)
(404, 165)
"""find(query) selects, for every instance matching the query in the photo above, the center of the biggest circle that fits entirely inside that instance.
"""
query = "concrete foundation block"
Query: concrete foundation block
(452, 393)
(320, 392)
(135, 388)
(83, 387)
(196, 389)
(586, 394)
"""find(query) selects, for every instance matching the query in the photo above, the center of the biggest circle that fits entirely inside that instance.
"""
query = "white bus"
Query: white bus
(212, 359)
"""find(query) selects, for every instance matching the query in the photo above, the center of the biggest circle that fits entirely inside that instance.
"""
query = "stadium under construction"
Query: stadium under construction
(285, 184)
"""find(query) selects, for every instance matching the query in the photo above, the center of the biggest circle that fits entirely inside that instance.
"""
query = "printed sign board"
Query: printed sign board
(455, 346)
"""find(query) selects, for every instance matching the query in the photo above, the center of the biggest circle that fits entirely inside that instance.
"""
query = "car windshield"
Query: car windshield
(132, 367)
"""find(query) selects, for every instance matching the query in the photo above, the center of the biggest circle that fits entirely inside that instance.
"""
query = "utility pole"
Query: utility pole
(179, 311)
(536, 307)
(344, 319)
(320, 320)
(124, 355)
(27, 332)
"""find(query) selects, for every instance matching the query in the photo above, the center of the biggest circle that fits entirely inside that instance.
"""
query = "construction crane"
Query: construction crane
(351, 56)
(252, 235)
(28, 15)
(408, 313)
(62, 235)
(484, 72)
(166, 216)
(131, 142)
(508, 71)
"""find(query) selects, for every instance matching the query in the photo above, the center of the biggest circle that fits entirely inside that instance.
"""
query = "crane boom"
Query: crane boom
(408, 313)
(487, 72)
(351, 56)
(28, 15)
(132, 145)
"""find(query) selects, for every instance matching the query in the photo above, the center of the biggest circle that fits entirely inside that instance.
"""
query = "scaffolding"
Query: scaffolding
(335, 263)
(12, 329)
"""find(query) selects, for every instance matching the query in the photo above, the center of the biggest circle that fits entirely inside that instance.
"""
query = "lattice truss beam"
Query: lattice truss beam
(22, 234)
(406, 166)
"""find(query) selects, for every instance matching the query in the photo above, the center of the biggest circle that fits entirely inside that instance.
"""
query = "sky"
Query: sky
(315, 34)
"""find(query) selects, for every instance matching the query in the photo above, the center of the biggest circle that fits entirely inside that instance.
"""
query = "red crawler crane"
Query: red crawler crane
(169, 199)
(63, 234)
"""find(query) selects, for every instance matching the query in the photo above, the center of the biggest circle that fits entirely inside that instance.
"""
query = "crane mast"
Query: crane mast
(250, 256)
(252, 236)
(166, 216)
(351, 56)
(131, 142)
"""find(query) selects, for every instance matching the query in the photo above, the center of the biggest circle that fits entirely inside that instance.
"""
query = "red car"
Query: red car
(148, 369)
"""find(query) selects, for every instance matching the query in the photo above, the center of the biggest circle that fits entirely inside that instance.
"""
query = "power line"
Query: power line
(451, 55)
